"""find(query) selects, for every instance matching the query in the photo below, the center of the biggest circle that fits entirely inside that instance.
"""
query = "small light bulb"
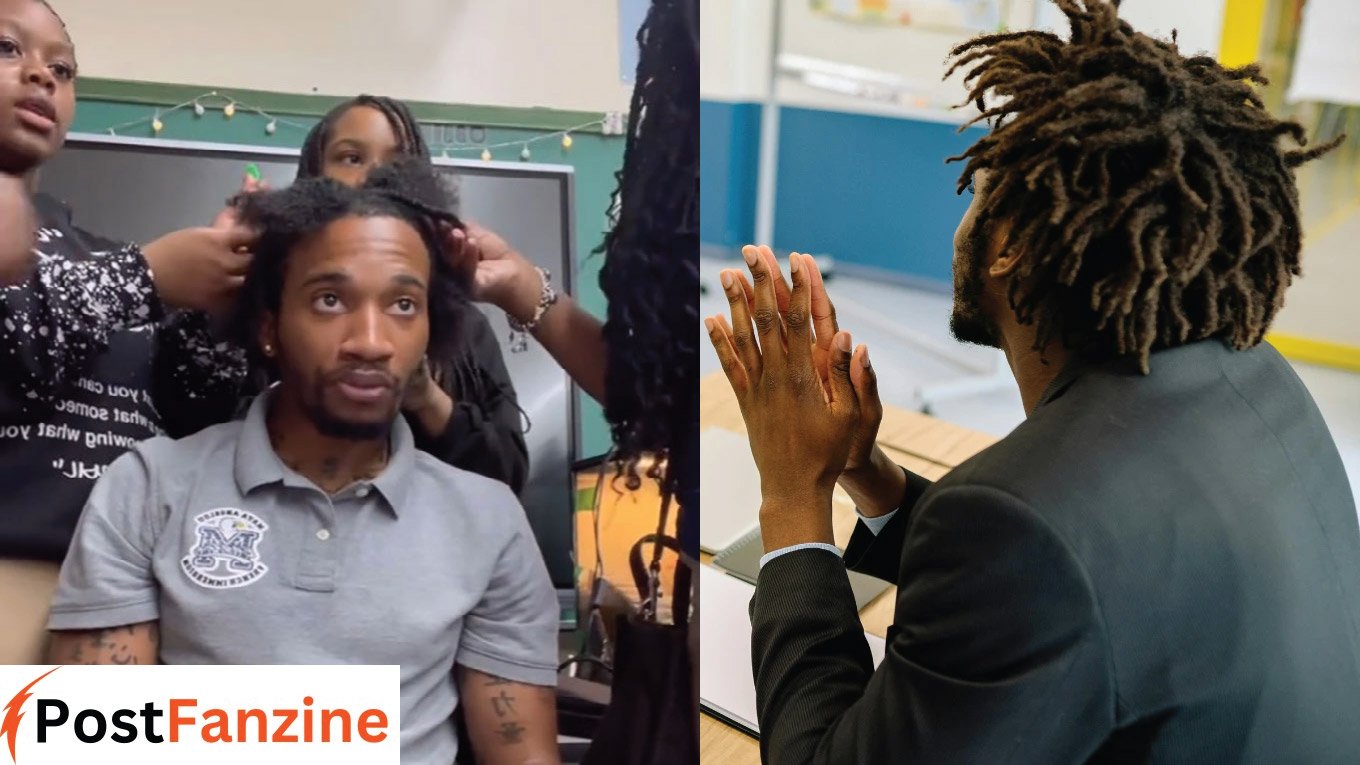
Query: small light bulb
(157, 126)
(566, 140)
(524, 153)
(271, 127)
(229, 111)
(198, 109)
(486, 155)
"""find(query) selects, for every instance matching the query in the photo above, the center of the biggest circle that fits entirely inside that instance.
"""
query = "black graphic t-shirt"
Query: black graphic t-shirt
(89, 365)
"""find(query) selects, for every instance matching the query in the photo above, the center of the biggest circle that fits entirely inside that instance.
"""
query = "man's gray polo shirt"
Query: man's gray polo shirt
(244, 561)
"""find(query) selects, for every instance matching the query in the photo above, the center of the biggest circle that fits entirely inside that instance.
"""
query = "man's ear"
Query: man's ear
(1007, 255)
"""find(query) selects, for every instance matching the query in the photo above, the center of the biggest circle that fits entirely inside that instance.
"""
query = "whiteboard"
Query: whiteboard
(1327, 63)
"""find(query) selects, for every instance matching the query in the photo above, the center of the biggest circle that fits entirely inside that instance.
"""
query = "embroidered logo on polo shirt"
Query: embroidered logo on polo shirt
(226, 553)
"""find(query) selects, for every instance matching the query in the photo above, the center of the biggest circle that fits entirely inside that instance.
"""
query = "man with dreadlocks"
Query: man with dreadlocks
(314, 531)
(1162, 563)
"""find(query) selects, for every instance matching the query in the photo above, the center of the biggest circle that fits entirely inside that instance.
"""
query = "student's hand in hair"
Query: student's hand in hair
(18, 227)
(201, 269)
(824, 329)
(800, 430)
(496, 272)
(229, 218)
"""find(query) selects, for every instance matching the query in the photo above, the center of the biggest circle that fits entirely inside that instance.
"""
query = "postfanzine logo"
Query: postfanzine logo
(200, 714)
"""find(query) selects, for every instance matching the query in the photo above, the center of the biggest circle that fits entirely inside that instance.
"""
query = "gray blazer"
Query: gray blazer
(1149, 569)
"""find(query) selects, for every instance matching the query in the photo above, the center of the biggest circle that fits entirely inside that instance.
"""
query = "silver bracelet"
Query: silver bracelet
(519, 330)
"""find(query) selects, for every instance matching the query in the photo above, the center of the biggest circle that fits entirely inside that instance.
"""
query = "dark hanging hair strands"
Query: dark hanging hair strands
(651, 269)
(1149, 200)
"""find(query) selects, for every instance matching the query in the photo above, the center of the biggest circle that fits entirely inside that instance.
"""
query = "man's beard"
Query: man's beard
(967, 322)
(333, 426)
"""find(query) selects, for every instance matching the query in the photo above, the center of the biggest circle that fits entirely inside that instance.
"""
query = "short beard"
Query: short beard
(967, 322)
(333, 427)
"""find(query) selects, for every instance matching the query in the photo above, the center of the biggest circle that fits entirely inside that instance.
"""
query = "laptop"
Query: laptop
(742, 560)
(730, 486)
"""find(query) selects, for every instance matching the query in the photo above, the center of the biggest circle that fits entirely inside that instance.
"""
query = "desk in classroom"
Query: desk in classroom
(922, 444)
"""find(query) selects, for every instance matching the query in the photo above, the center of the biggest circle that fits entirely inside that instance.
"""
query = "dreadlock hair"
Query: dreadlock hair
(1150, 201)
(651, 271)
(410, 142)
(408, 190)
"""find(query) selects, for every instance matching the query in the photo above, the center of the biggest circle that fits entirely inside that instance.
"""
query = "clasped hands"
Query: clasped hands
(809, 401)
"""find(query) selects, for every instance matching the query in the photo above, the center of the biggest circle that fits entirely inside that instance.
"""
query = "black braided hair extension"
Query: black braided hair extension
(651, 269)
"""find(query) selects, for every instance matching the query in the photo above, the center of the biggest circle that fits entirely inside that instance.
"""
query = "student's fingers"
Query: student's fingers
(824, 324)
(743, 336)
(796, 326)
(781, 287)
(768, 322)
(840, 388)
(727, 354)
(238, 236)
(865, 382)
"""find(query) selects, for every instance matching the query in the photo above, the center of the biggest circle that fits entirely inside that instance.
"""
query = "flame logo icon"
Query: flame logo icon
(9, 728)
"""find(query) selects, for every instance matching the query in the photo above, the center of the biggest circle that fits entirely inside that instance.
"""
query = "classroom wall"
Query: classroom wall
(524, 53)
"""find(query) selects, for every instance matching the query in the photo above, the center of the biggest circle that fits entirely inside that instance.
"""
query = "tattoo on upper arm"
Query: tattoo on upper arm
(116, 645)
(503, 705)
(511, 733)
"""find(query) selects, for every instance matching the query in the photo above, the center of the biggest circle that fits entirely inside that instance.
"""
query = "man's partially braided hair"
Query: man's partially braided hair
(408, 189)
(1148, 198)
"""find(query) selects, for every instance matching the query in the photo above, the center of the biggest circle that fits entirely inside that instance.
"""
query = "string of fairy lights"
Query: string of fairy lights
(229, 106)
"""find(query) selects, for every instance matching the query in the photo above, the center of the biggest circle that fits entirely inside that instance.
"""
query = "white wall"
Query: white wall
(735, 40)
(550, 53)
(737, 33)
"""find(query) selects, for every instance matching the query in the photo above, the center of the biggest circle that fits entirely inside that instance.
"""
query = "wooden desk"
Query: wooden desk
(922, 444)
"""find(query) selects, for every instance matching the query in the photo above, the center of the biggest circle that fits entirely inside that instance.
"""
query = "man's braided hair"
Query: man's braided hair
(1146, 195)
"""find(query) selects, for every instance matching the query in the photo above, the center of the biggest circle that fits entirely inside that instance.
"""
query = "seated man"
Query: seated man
(1161, 564)
(314, 531)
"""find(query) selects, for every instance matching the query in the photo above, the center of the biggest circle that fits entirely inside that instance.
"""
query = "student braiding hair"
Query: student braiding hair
(1148, 196)
(404, 126)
